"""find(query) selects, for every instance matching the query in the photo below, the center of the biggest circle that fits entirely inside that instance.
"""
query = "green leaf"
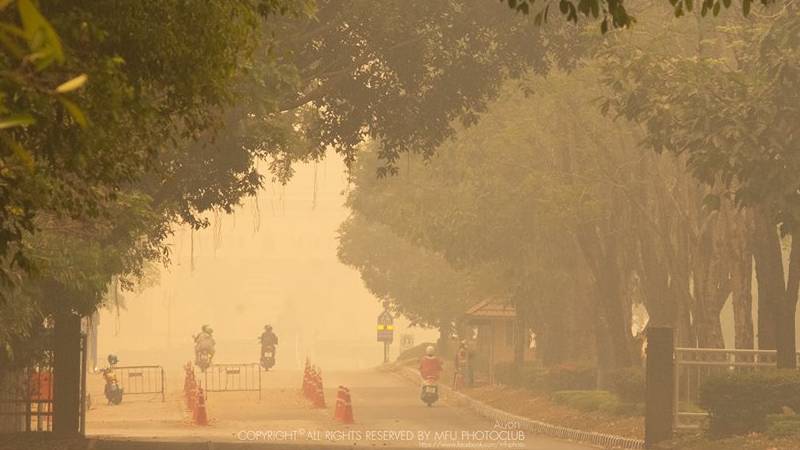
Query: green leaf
(22, 154)
(16, 120)
(746, 7)
(39, 33)
(72, 84)
(75, 112)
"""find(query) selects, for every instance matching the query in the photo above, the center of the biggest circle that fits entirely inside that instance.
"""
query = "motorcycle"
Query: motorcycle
(430, 391)
(202, 359)
(112, 390)
(268, 357)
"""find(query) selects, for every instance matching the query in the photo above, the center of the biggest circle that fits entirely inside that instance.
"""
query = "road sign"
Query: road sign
(385, 327)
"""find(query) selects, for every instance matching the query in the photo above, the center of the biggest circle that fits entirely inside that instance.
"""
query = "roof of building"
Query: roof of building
(491, 308)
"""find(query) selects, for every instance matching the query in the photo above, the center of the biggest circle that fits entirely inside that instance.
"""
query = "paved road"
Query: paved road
(386, 408)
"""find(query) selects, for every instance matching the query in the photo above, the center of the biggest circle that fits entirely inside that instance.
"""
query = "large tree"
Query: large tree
(419, 284)
(161, 143)
(734, 116)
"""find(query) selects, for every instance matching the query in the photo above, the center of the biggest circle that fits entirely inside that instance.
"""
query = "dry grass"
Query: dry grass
(538, 406)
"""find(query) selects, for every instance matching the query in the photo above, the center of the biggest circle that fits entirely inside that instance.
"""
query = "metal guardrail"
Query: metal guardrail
(693, 366)
(231, 378)
(135, 380)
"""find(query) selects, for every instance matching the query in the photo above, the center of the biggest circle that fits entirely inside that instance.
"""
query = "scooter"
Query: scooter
(202, 359)
(430, 391)
(268, 357)
(112, 389)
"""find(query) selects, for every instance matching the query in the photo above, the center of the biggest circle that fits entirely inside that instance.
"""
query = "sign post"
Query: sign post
(385, 332)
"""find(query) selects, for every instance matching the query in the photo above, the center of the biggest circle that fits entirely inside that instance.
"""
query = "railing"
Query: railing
(26, 400)
(693, 366)
(135, 380)
(26, 397)
(231, 378)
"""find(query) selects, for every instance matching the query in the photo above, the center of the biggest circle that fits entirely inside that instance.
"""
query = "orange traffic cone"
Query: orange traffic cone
(347, 410)
(319, 394)
(191, 399)
(307, 382)
(190, 388)
(186, 369)
(200, 416)
(339, 410)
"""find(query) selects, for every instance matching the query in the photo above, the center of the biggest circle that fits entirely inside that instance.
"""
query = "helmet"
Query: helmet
(112, 359)
(207, 329)
(268, 327)
(430, 350)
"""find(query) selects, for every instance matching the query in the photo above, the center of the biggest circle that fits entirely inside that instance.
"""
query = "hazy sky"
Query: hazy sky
(273, 261)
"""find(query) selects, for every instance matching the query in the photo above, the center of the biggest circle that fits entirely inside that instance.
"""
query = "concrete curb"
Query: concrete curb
(534, 426)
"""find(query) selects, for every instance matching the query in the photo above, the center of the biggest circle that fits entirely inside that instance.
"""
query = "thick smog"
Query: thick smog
(325, 224)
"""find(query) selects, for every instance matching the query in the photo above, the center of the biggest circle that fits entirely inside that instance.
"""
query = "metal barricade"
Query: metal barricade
(135, 380)
(693, 366)
(231, 378)
(26, 400)
(26, 396)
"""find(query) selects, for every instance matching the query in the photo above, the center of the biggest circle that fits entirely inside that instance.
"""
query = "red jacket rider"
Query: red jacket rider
(430, 367)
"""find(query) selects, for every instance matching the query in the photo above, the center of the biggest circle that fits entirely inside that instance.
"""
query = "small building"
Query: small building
(496, 334)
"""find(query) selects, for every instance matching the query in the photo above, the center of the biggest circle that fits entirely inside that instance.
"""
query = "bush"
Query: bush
(780, 425)
(527, 376)
(628, 384)
(565, 377)
(739, 403)
(588, 400)
(570, 377)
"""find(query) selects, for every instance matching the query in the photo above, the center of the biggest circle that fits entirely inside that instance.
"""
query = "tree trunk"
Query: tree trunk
(604, 349)
(779, 292)
(743, 302)
(787, 359)
(769, 274)
(520, 341)
(445, 331)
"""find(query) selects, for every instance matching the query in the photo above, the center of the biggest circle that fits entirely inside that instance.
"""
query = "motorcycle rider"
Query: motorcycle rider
(268, 338)
(204, 342)
(268, 343)
(462, 368)
(430, 366)
(112, 390)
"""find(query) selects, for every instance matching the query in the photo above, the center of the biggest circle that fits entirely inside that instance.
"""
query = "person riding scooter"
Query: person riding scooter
(269, 340)
(204, 347)
(430, 368)
(112, 389)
